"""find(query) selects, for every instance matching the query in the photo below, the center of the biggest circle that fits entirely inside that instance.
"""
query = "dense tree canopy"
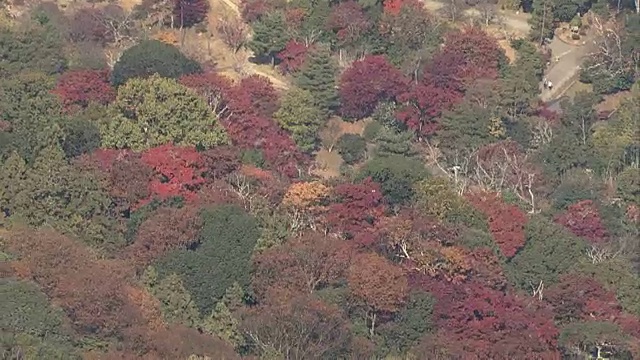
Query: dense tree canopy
(152, 57)
(316, 179)
(164, 111)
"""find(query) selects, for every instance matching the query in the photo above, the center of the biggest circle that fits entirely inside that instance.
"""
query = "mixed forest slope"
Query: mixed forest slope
(318, 180)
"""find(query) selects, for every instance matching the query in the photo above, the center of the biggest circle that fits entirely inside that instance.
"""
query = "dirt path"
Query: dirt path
(512, 23)
(233, 6)
(248, 67)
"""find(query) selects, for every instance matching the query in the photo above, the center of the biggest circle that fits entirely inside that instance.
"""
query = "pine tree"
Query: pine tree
(541, 20)
(221, 322)
(392, 142)
(177, 305)
(318, 76)
(269, 35)
(299, 115)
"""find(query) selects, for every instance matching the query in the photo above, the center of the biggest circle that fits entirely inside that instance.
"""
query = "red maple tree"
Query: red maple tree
(261, 93)
(480, 52)
(583, 219)
(357, 207)
(190, 12)
(439, 88)
(578, 297)
(394, 7)
(292, 57)
(348, 21)
(178, 171)
(78, 88)
(367, 82)
(506, 222)
(477, 322)
(244, 109)
(423, 104)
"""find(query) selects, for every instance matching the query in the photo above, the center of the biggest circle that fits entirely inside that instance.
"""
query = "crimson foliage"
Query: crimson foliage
(245, 109)
(262, 95)
(358, 207)
(438, 90)
(481, 323)
(577, 298)
(190, 12)
(583, 219)
(178, 171)
(367, 82)
(292, 57)
(81, 87)
(506, 222)
(348, 21)
(480, 52)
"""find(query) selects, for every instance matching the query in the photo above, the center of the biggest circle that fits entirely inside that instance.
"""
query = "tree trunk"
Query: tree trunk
(373, 325)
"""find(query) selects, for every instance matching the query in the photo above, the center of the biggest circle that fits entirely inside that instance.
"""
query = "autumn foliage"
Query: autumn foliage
(245, 109)
(309, 263)
(190, 12)
(76, 89)
(292, 57)
(480, 53)
(480, 323)
(583, 219)
(578, 297)
(178, 171)
(357, 207)
(506, 222)
(367, 82)
(348, 21)
(439, 89)
(67, 272)
(166, 230)
(394, 7)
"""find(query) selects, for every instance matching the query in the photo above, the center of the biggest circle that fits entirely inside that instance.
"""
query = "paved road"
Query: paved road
(564, 72)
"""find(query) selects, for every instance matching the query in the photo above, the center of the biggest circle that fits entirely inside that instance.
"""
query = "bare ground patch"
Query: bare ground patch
(328, 162)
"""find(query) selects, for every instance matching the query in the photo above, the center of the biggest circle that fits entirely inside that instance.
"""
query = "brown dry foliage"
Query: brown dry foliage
(304, 195)
(381, 285)
(166, 230)
(89, 290)
(307, 264)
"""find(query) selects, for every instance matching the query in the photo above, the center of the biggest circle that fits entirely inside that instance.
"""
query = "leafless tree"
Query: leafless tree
(610, 55)
(233, 32)
(330, 134)
(453, 9)
(487, 10)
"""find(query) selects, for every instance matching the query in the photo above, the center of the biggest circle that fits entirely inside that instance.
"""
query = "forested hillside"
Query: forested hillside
(394, 187)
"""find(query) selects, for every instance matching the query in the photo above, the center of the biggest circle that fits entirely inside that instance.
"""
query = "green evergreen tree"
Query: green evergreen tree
(152, 57)
(392, 142)
(299, 115)
(542, 20)
(156, 111)
(318, 76)
(222, 324)
(176, 303)
(53, 192)
(269, 35)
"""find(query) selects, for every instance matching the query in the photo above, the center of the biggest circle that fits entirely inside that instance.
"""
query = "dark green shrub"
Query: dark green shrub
(222, 256)
(150, 57)
(352, 148)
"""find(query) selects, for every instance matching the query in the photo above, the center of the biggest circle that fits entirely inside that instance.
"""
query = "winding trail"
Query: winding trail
(251, 68)
(564, 72)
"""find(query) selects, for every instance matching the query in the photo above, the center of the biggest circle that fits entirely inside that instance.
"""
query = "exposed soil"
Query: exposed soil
(328, 163)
